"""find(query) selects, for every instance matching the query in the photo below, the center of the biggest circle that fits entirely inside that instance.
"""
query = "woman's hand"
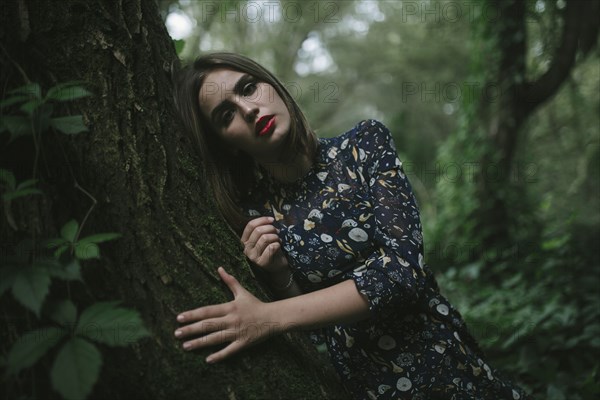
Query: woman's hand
(262, 245)
(243, 321)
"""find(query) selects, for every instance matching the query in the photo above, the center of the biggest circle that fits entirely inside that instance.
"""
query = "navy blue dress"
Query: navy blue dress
(354, 216)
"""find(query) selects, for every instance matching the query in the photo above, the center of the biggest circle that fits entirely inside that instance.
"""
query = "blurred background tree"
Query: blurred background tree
(494, 108)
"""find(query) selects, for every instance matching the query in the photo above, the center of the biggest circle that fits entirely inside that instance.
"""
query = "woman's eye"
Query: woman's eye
(249, 89)
(227, 116)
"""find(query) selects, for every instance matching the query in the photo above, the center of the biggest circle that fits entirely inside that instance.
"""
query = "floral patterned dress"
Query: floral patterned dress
(354, 216)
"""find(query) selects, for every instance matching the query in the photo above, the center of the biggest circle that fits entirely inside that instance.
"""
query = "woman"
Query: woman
(334, 227)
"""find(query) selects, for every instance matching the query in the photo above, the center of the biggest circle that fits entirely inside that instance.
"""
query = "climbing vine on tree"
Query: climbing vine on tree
(39, 272)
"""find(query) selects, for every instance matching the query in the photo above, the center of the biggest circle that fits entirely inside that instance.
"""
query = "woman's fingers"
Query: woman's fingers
(217, 310)
(220, 355)
(241, 321)
(261, 241)
(261, 245)
(231, 282)
(201, 328)
(211, 339)
(253, 224)
(240, 339)
(199, 314)
(257, 234)
(206, 324)
(268, 253)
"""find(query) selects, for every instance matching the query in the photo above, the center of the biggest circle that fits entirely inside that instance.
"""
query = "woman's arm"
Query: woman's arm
(337, 304)
(283, 284)
(246, 320)
(395, 274)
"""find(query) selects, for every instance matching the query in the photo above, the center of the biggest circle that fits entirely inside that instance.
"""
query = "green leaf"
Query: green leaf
(41, 118)
(8, 178)
(17, 126)
(106, 323)
(63, 85)
(70, 125)
(7, 277)
(100, 237)
(179, 45)
(30, 287)
(13, 100)
(31, 106)
(69, 231)
(86, 251)
(61, 244)
(67, 93)
(20, 193)
(31, 89)
(54, 242)
(30, 347)
(69, 272)
(49, 264)
(61, 250)
(63, 312)
(76, 369)
(26, 183)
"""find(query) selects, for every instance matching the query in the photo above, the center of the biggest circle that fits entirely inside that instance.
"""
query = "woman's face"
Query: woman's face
(247, 114)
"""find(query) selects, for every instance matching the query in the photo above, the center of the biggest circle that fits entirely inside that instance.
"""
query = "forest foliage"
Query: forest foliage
(41, 273)
(421, 67)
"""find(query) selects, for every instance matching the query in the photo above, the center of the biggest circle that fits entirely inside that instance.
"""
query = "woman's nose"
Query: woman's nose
(249, 110)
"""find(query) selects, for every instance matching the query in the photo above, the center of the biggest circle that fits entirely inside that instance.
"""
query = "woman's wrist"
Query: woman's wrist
(281, 280)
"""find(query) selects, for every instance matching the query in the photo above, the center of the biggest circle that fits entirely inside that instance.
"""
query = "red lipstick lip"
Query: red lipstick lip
(264, 124)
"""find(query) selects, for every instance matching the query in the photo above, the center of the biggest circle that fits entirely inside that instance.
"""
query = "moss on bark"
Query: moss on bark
(143, 173)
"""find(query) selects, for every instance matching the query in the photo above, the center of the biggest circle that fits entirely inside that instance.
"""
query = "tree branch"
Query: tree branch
(580, 30)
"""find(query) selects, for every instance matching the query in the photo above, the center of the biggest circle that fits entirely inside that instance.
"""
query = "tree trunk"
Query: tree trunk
(143, 173)
(501, 183)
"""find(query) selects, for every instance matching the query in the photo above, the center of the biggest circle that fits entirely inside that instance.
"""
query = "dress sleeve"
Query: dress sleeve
(393, 275)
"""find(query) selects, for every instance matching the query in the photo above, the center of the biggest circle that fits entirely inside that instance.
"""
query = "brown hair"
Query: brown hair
(229, 177)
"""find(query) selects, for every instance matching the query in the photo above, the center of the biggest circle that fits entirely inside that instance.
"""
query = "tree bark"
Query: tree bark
(503, 116)
(144, 174)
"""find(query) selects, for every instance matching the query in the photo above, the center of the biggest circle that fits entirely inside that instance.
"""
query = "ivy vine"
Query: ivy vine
(28, 274)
